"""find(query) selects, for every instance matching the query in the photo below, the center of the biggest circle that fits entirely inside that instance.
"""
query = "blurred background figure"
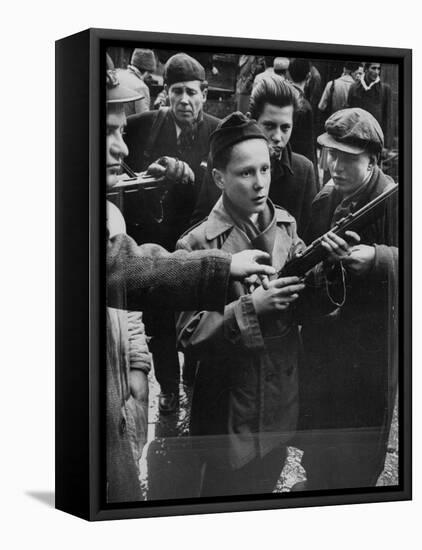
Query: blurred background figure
(373, 95)
(313, 86)
(358, 74)
(249, 67)
(336, 92)
(302, 139)
(142, 65)
(269, 70)
(281, 66)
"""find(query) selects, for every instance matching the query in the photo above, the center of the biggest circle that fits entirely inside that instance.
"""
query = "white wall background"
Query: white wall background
(28, 31)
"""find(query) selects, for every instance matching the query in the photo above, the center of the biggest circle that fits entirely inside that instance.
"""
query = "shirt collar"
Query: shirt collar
(219, 221)
(285, 161)
(369, 86)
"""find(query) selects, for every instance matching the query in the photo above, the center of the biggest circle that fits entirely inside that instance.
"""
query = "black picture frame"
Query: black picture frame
(80, 274)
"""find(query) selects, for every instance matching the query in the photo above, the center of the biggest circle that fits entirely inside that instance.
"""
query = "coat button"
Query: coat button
(122, 426)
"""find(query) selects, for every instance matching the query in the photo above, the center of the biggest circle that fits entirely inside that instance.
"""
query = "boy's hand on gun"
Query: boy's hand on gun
(276, 295)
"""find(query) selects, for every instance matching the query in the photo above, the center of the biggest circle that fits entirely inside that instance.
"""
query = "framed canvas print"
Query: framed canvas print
(233, 274)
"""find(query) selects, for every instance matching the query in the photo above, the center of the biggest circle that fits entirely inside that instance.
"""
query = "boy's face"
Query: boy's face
(348, 171)
(247, 176)
(277, 125)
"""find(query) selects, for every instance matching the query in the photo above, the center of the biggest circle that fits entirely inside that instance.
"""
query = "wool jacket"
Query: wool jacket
(148, 277)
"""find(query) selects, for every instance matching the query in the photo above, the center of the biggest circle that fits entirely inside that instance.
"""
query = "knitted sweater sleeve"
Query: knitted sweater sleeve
(147, 276)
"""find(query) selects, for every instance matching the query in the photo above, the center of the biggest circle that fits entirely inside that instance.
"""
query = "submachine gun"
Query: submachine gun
(355, 221)
(131, 183)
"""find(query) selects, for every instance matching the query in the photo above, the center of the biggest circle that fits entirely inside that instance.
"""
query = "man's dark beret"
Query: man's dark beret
(233, 129)
(352, 131)
(183, 68)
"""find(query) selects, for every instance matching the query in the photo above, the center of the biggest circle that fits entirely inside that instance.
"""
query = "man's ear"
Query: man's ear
(218, 178)
(248, 114)
(205, 94)
(373, 161)
(166, 89)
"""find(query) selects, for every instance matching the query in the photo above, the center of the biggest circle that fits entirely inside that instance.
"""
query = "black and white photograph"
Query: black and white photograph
(210, 297)
(253, 224)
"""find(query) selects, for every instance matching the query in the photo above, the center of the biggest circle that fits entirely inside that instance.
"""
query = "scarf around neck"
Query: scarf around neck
(189, 131)
(353, 202)
(260, 234)
(366, 86)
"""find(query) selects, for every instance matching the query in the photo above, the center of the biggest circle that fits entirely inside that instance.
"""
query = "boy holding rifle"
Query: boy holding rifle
(245, 400)
(348, 379)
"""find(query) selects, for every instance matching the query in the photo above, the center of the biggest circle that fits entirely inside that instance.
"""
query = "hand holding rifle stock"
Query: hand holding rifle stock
(357, 257)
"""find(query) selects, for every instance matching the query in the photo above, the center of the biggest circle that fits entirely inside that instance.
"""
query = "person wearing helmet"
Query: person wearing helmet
(138, 278)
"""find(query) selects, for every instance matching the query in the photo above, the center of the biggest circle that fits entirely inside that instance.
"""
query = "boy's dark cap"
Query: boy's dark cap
(183, 68)
(353, 131)
(233, 129)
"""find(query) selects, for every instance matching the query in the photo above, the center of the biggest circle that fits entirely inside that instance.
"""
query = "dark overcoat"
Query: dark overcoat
(245, 395)
(348, 380)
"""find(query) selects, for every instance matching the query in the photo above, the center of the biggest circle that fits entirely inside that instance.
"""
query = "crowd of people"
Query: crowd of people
(193, 263)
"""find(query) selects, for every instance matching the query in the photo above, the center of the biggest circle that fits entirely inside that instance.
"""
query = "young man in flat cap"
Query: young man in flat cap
(139, 278)
(348, 379)
(142, 64)
(244, 406)
(273, 105)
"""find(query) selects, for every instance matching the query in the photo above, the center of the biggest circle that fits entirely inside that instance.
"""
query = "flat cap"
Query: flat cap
(182, 68)
(116, 93)
(352, 131)
(143, 60)
(233, 129)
